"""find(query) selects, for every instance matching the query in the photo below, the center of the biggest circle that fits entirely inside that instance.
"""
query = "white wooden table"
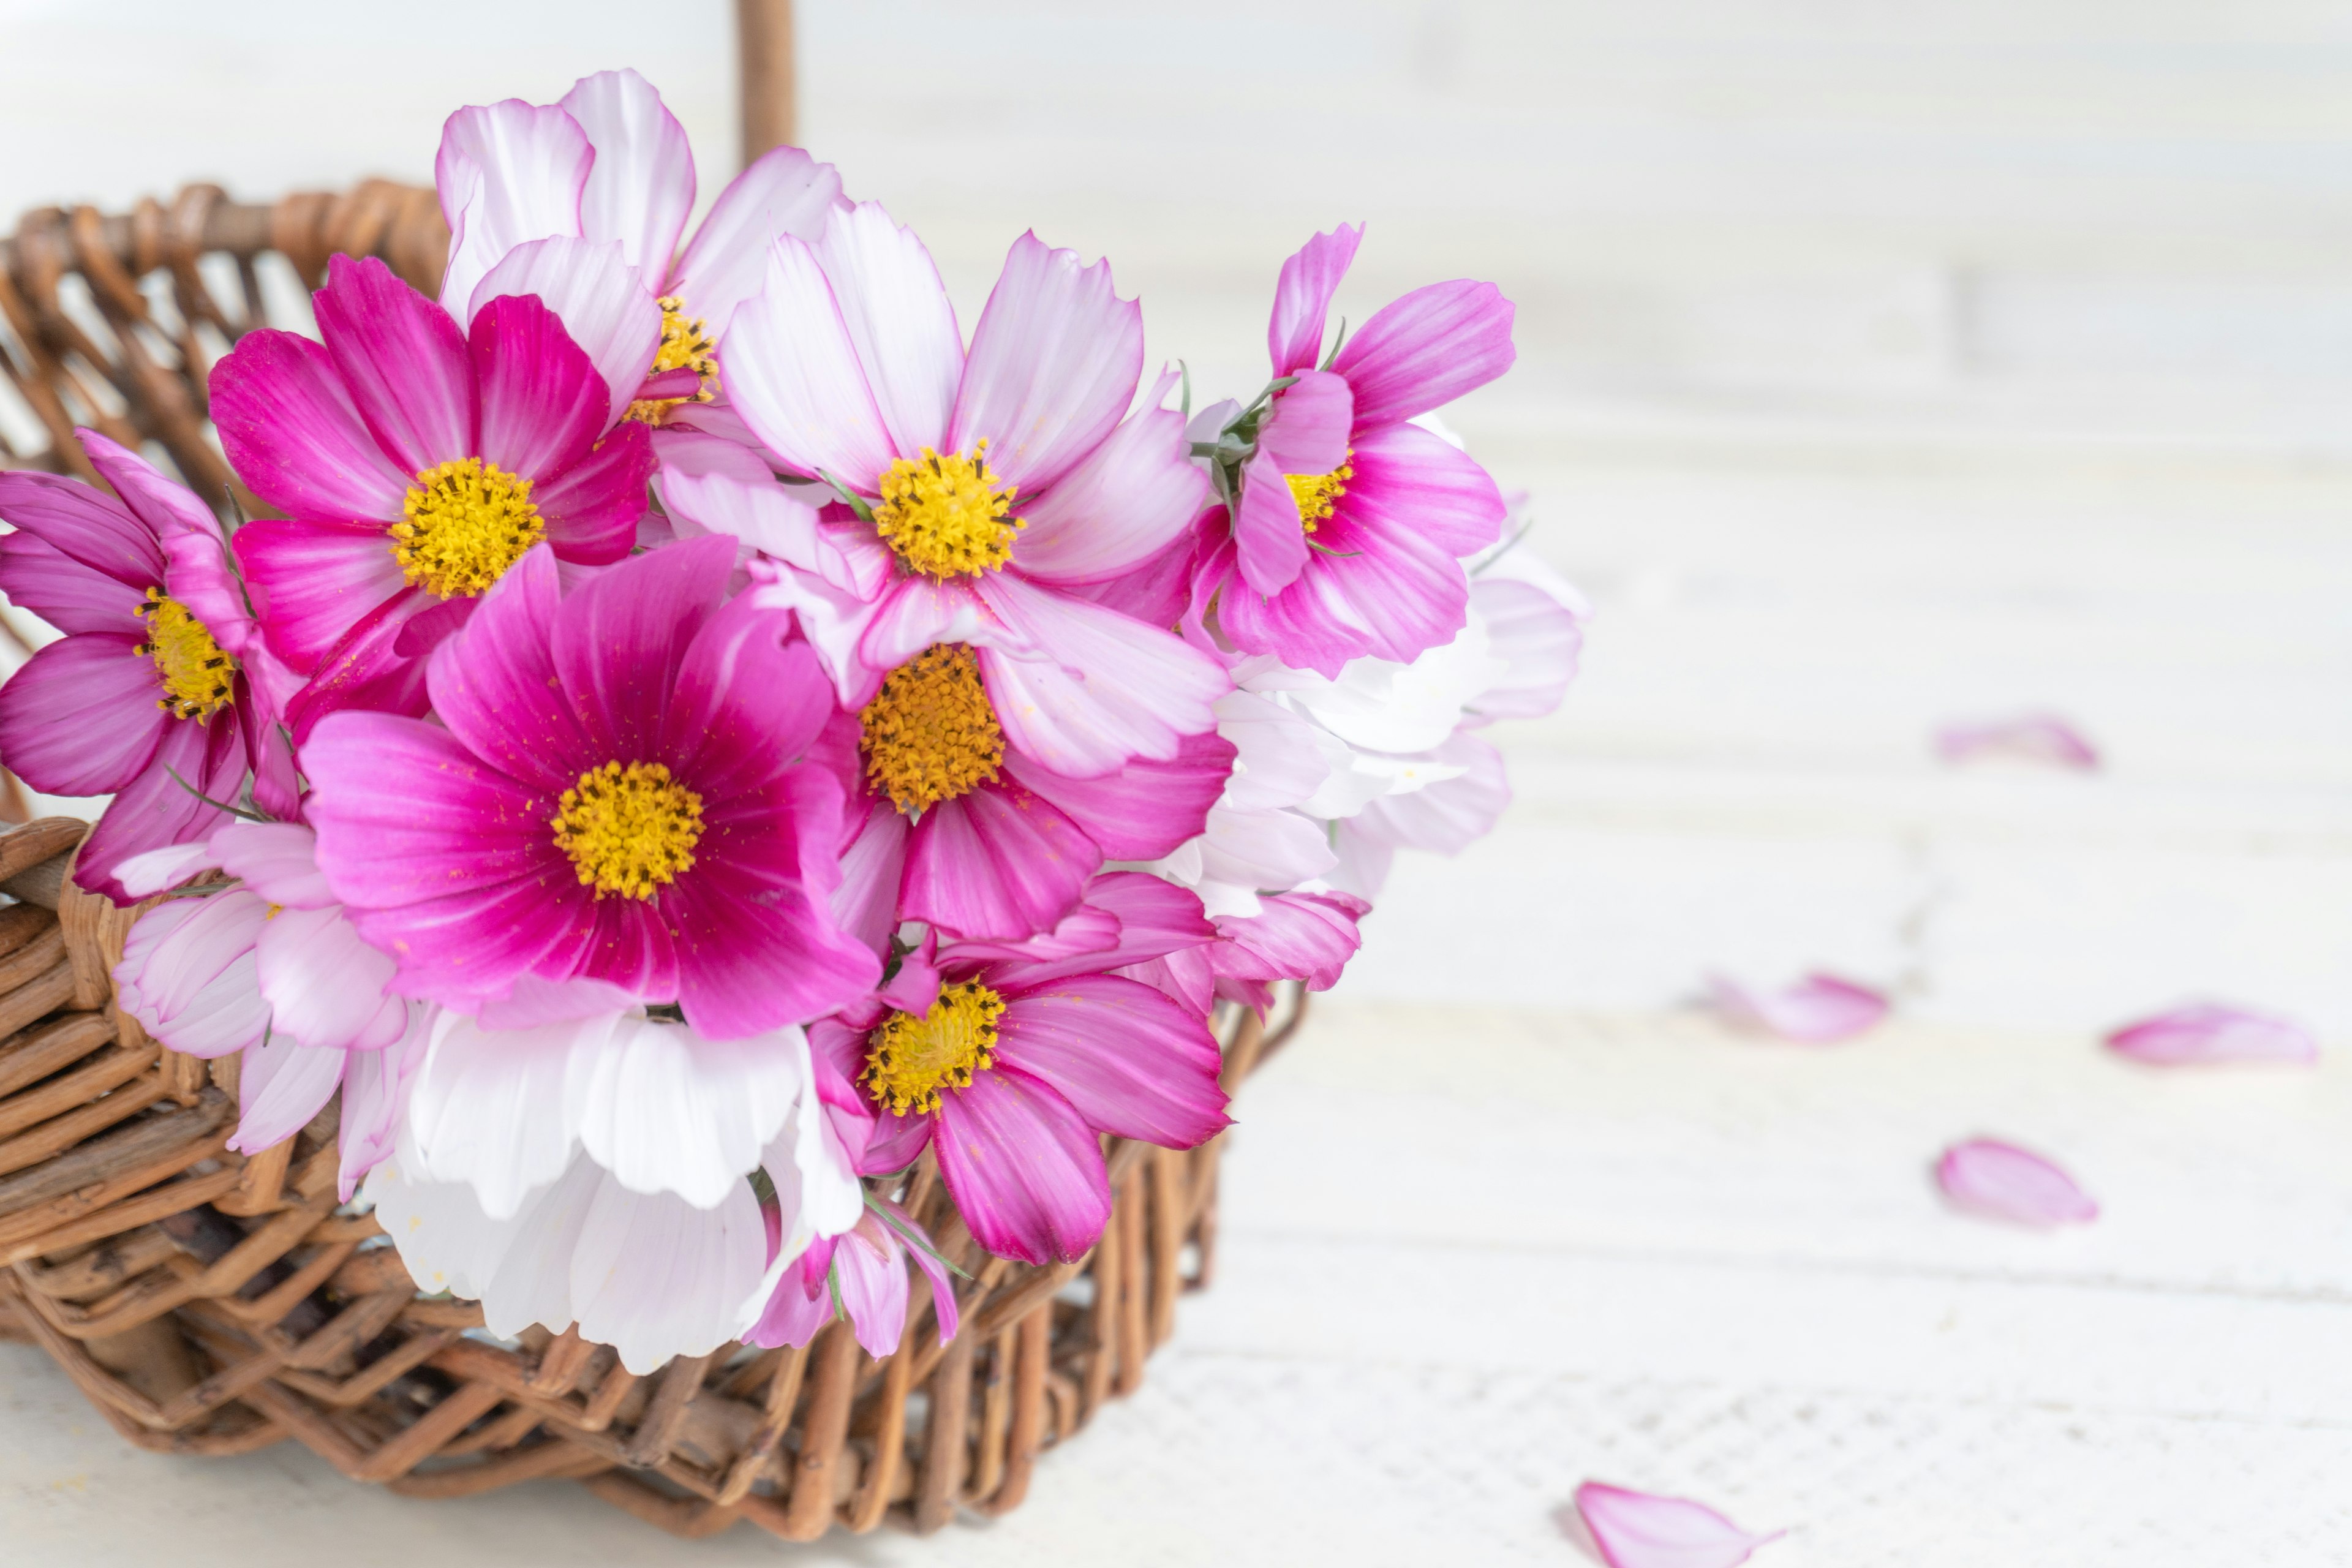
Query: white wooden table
(1877, 371)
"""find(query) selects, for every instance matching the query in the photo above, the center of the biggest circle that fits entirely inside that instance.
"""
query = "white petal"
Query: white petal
(490, 1108)
(784, 192)
(532, 1283)
(1388, 707)
(656, 1277)
(792, 371)
(509, 173)
(281, 1086)
(898, 317)
(445, 1239)
(602, 300)
(1278, 760)
(1270, 851)
(157, 869)
(325, 987)
(280, 860)
(667, 1110)
(641, 186)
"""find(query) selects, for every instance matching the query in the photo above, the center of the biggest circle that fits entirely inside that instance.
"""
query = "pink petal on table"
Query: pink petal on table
(2208, 1031)
(1818, 1009)
(1635, 1529)
(2009, 1183)
(2042, 738)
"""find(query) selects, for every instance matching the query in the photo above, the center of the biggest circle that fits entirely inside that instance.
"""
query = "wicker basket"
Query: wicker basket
(207, 1303)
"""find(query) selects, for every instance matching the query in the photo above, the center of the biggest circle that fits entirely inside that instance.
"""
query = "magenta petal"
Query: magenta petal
(1129, 1060)
(1129, 917)
(1295, 936)
(746, 704)
(1818, 1009)
(621, 640)
(406, 815)
(314, 581)
(291, 429)
(1302, 298)
(2006, 1182)
(1425, 350)
(591, 508)
(1637, 1530)
(2207, 1032)
(1146, 809)
(495, 687)
(1022, 1167)
(39, 577)
(84, 524)
(758, 948)
(1269, 531)
(379, 664)
(1306, 429)
(1053, 367)
(402, 360)
(80, 716)
(155, 810)
(2044, 738)
(927, 1259)
(793, 1316)
(542, 401)
(998, 862)
(897, 1142)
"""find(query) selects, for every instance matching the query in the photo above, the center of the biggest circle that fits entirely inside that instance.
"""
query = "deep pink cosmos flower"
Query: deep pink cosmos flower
(956, 825)
(160, 671)
(1009, 1059)
(1353, 521)
(990, 485)
(618, 793)
(414, 465)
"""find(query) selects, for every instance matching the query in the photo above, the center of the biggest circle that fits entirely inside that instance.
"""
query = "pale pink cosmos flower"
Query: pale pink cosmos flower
(268, 966)
(575, 199)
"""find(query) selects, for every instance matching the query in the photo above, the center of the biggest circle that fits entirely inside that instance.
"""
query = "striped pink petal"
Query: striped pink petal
(1638, 1529)
(2005, 1181)
(2209, 1032)
(1819, 1009)
(2042, 738)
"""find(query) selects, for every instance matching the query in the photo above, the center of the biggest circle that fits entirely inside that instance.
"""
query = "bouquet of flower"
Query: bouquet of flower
(696, 732)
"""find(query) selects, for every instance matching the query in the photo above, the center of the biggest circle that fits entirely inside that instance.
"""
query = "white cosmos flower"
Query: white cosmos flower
(592, 1165)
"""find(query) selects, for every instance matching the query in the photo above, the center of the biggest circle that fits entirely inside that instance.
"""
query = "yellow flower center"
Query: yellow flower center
(462, 525)
(1317, 494)
(947, 516)
(629, 830)
(929, 734)
(684, 346)
(197, 674)
(909, 1059)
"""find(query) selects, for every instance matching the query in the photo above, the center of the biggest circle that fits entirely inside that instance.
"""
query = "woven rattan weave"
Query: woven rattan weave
(210, 1304)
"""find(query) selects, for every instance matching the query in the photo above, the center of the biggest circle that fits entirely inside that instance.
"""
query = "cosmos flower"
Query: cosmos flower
(615, 791)
(160, 693)
(1008, 1059)
(267, 967)
(1352, 520)
(415, 465)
